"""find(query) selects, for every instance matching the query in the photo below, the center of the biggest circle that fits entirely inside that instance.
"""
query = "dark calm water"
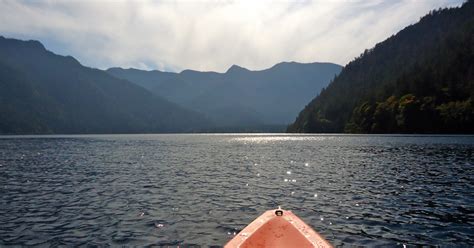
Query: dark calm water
(186, 190)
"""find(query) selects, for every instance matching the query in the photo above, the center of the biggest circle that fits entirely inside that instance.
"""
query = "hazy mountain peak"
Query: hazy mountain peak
(289, 63)
(30, 48)
(188, 71)
(120, 69)
(294, 63)
(131, 69)
(13, 42)
(236, 68)
(115, 69)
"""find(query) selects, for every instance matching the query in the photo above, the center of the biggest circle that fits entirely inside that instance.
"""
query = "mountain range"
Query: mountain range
(42, 92)
(239, 97)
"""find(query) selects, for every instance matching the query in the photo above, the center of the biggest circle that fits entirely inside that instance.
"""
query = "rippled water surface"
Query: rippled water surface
(201, 189)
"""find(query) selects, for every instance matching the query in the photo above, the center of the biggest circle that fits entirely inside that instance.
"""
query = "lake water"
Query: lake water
(202, 189)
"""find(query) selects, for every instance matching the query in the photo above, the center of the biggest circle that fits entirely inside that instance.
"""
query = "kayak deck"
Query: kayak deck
(277, 229)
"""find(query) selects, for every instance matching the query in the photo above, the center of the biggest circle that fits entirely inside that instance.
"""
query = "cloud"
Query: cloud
(210, 35)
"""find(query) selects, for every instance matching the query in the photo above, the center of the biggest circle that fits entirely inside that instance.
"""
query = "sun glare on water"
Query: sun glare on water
(273, 139)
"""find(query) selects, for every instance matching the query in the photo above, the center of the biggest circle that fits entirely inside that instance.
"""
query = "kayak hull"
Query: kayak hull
(277, 229)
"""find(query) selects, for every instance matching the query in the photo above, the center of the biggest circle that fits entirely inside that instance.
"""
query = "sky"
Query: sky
(209, 35)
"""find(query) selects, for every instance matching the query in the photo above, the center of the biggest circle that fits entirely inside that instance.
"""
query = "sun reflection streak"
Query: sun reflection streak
(274, 139)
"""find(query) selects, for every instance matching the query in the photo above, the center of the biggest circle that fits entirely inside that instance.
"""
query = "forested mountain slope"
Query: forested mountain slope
(420, 80)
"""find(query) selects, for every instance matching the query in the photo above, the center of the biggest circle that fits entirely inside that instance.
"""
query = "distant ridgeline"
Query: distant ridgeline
(240, 99)
(420, 80)
(41, 92)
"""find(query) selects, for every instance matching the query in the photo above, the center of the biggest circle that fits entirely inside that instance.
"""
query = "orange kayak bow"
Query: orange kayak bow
(277, 229)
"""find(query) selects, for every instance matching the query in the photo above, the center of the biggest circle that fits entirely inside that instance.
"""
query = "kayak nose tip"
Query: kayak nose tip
(279, 212)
